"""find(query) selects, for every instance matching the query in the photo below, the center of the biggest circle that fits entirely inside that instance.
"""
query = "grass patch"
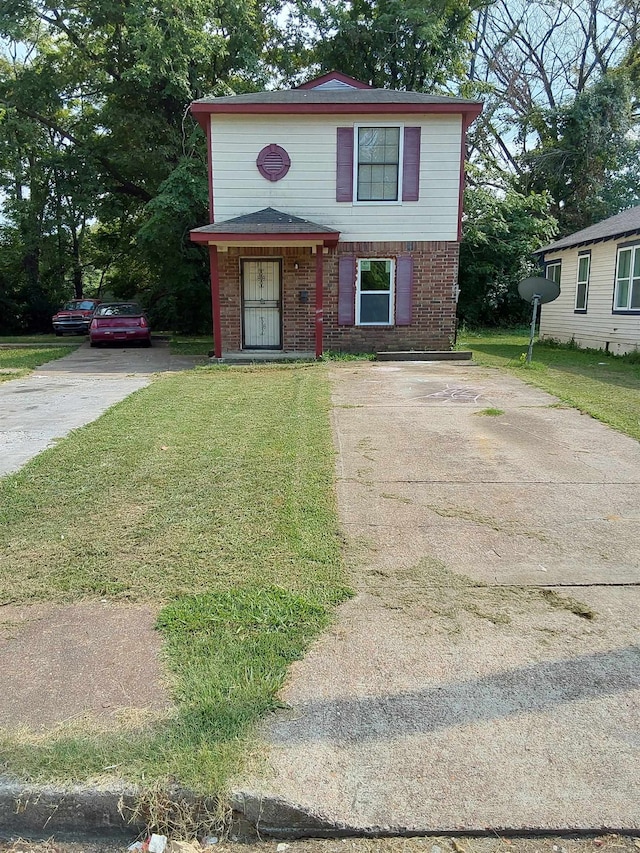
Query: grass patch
(349, 356)
(604, 386)
(208, 492)
(191, 344)
(491, 412)
(431, 588)
(38, 340)
(19, 362)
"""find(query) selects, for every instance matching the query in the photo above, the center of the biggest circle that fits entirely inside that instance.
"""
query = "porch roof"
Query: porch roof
(268, 226)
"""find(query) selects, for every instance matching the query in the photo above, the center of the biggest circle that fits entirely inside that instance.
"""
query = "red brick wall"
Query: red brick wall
(435, 276)
(435, 271)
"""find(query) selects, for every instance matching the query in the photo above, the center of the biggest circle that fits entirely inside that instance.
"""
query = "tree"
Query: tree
(531, 59)
(588, 163)
(93, 121)
(500, 234)
(394, 44)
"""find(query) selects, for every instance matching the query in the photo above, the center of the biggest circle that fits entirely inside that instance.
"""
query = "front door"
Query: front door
(261, 305)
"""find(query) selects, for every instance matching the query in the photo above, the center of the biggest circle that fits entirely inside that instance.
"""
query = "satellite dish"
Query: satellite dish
(544, 289)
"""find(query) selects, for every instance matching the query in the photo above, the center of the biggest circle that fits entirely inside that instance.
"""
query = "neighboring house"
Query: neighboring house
(335, 213)
(598, 270)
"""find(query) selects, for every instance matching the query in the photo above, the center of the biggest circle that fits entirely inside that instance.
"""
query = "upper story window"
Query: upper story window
(378, 164)
(553, 271)
(582, 284)
(627, 293)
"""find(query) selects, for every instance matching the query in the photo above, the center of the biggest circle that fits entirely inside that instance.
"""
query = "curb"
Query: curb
(41, 812)
(38, 812)
(277, 818)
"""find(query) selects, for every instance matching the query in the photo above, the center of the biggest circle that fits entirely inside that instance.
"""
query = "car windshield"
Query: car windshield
(124, 309)
(79, 305)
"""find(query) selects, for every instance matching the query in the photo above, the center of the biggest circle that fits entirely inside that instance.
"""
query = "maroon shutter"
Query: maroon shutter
(404, 290)
(411, 164)
(347, 290)
(344, 164)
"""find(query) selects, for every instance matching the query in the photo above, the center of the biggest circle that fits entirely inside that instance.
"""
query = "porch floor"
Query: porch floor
(262, 356)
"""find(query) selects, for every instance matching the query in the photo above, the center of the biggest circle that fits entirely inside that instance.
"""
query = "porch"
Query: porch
(267, 286)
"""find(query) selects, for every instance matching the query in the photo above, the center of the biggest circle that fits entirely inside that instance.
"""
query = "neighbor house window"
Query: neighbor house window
(553, 270)
(582, 285)
(378, 154)
(374, 292)
(627, 295)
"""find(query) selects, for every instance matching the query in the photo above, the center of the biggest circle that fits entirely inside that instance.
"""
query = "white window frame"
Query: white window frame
(552, 265)
(624, 309)
(356, 162)
(391, 291)
(582, 309)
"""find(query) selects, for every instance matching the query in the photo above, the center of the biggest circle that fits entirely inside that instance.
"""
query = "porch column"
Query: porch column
(319, 299)
(215, 301)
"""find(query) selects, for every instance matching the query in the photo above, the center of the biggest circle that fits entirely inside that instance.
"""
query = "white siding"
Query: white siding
(599, 327)
(309, 188)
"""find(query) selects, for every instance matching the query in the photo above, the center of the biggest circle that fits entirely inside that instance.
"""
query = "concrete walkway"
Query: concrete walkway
(487, 673)
(65, 394)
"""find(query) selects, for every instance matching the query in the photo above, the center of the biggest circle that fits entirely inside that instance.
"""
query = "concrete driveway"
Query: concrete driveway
(486, 676)
(72, 391)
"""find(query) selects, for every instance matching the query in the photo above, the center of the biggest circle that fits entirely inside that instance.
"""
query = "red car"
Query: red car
(74, 316)
(118, 322)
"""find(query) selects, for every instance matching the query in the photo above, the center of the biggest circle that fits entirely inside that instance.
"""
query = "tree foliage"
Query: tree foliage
(391, 44)
(93, 122)
(588, 161)
(500, 234)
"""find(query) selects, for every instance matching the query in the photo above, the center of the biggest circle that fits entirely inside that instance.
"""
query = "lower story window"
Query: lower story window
(374, 294)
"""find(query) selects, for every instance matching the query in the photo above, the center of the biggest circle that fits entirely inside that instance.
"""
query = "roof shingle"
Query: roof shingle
(627, 222)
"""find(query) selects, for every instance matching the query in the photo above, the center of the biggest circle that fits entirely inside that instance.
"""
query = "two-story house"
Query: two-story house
(335, 217)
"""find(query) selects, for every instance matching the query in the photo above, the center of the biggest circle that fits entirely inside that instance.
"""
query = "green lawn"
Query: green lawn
(209, 494)
(191, 344)
(601, 385)
(18, 362)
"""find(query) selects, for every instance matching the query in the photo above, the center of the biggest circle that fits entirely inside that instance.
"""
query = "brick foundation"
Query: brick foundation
(435, 270)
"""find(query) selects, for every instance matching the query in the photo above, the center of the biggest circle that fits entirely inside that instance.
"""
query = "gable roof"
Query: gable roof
(335, 93)
(346, 96)
(334, 80)
(627, 222)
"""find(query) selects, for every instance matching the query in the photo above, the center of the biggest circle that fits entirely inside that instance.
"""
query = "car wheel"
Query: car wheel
(94, 344)
(146, 343)
(58, 334)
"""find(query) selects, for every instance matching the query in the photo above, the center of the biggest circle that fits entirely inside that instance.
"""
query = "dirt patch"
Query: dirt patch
(429, 844)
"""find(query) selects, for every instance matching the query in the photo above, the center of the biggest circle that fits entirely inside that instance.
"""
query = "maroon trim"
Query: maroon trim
(344, 163)
(215, 301)
(470, 111)
(207, 130)
(328, 239)
(411, 164)
(404, 290)
(200, 116)
(346, 290)
(273, 162)
(319, 300)
(334, 75)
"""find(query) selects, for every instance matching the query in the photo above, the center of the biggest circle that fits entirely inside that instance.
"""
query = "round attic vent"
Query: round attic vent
(273, 162)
